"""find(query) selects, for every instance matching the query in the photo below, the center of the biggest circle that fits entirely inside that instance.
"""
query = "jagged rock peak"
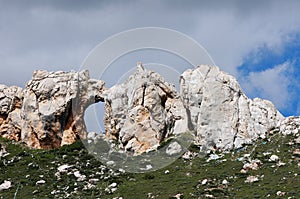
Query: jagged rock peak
(222, 115)
(142, 111)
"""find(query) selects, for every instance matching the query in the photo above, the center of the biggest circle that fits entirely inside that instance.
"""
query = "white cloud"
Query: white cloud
(230, 35)
(57, 35)
(272, 84)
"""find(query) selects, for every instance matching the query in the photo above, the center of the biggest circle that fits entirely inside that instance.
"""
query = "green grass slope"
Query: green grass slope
(199, 177)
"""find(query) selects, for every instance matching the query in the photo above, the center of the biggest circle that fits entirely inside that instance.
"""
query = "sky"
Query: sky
(255, 41)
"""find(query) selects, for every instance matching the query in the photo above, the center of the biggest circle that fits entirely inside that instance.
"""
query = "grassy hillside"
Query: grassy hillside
(213, 176)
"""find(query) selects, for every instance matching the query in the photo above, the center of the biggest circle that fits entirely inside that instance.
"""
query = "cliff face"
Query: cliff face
(139, 113)
(222, 115)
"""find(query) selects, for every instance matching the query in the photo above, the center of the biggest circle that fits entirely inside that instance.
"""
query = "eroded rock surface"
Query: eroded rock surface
(54, 105)
(143, 111)
(223, 117)
(10, 108)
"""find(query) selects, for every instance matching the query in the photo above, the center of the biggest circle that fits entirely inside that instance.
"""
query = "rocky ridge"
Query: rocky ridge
(139, 113)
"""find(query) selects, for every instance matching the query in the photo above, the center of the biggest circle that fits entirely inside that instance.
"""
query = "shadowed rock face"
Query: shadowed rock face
(10, 106)
(53, 106)
(220, 112)
(143, 111)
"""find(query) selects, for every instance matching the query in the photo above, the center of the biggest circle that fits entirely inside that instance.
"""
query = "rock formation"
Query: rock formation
(10, 108)
(51, 113)
(54, 105)
(139, 113)
(222, 116)
(143, 111)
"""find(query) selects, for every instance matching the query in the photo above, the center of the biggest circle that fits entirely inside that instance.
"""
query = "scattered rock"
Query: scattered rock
(40, 182)
(3, 151)
(178, 196)
(213, 157)
(110, 163)
(79, 176)
(279, 164)
(111, 188)
(296, 152)
(91, 135)
(280, 193)
(251, 179)
(274, 158)
(94, 180)
(64, 168)
(173, 148)
(112, 185)
(189, 155)
(252, 165)
(297, 140)
(225, 182)
(148, 167)
(5, 185)
(204, 181)
(88, 186)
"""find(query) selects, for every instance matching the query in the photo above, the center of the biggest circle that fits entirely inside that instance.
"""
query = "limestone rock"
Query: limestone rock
(221, 115)
(173, 148)
(5, 185)
(10, 105)
(142, 111)
(53, 107)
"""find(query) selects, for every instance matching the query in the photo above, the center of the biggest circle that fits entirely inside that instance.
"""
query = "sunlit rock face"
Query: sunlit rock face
(221, 114)
(144, 110)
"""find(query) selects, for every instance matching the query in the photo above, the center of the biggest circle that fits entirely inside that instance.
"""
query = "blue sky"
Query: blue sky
(255, 41)
(273, 74)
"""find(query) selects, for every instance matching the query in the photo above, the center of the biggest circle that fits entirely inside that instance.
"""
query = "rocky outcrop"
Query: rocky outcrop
(143, 111)
(221, 115)
(49, 112)
(10, 108)
(54, 105)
